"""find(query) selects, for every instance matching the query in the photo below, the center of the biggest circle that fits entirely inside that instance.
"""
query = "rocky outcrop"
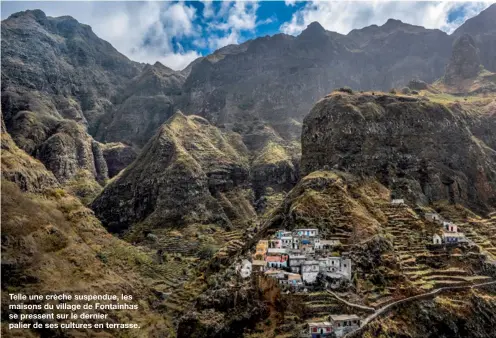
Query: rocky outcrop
(69, 149)
(18, 167)
(144, 105)
(483, 29)
(117, 156)
(176, 179)
(465, 62)
(421, 150)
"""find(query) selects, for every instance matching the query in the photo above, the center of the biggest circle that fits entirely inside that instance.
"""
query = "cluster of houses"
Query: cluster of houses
(337, 326)
(449, 231)
(296, 258)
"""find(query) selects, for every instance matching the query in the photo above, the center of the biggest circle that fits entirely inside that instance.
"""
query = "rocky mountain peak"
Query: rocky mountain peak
(313, 30)
(37, 14)
(393, 23)
(315, 27)
(464, 62)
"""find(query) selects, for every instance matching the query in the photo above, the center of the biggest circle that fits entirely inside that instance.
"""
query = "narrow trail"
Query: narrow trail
(384, 309)
(358, 306)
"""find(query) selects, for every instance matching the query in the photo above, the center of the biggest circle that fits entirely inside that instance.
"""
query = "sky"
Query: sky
(176, 33)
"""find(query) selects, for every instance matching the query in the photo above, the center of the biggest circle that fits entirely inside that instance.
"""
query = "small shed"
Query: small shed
(436, 239)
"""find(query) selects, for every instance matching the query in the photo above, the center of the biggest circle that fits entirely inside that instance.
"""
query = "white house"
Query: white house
(296, 243)
(306, 232)
(448, 226)
(310, 271)
(432, 216)
(321, 244)
(398, 201)
(436, 239)
(335, 267)
(287, 242)
(453, 237)
(246, 268)
(343, 324)
(276, 251)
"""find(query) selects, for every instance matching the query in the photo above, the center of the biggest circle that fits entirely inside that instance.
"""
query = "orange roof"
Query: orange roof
(276, 258)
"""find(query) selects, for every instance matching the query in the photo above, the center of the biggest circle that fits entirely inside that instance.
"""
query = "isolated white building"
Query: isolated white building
(398, 201)
(246, 268)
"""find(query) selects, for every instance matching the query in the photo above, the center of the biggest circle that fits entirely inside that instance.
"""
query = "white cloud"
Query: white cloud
(343, 16)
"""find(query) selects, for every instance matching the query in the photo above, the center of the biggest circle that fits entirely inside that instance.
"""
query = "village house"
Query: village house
(296, 243)
(287, 242)
(276, 251)
(325, 244)
(295, 262)
(291, 279)
(432, 216)
(277, 261)
(261, 250)
(453, 237)
(310, 271)
(343, 324)
(275, 243)
(307, 246)
(319, 329)
(306, 232)
(397, 202)
(450, 227)
(282, 233)
(335, 267)
(276, 274)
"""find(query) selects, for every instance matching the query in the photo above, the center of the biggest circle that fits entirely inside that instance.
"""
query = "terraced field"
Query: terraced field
(410, 239)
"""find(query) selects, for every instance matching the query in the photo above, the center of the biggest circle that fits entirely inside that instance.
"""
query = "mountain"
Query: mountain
(483, 28)
(58, 79)
(273, 79)
(377, 135)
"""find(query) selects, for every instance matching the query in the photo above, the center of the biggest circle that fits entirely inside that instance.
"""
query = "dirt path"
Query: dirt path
(358, 306)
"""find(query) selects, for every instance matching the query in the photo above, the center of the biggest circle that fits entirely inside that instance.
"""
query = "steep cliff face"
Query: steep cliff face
(146, 102)
(176, 178)
(26, 172)
(60, 67)
(465, 62)
(118, 156)
(422, 151)
(483, 28)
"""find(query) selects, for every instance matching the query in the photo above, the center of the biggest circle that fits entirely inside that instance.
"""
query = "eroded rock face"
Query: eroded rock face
(69, 149)
(18, 167)
(465, 62)
(117, 156)
(421, 150)
(176, 179)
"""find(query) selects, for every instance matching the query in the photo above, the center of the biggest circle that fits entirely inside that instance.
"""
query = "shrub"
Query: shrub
(346, 90)
(206, 252)
(102, 257)
(392, 91)
(405, 90)
(414, 92)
